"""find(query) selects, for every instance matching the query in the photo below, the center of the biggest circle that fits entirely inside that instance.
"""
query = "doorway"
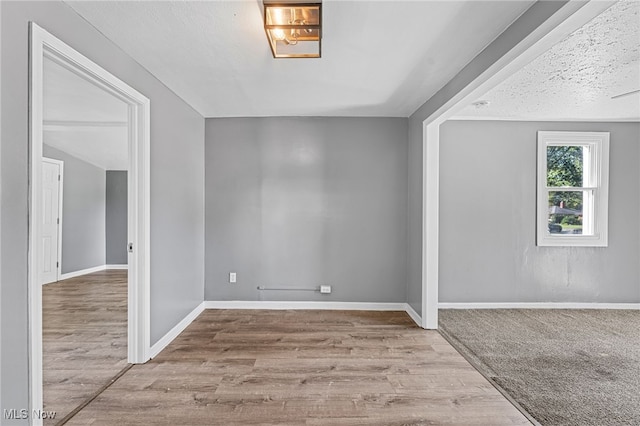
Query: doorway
(44, 45)
(553, 30)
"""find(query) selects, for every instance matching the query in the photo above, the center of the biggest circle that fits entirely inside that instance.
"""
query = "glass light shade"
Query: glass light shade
(294, 30)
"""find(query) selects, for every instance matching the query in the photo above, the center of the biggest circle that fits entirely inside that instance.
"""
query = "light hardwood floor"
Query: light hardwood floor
(84, 337)
(241, 367)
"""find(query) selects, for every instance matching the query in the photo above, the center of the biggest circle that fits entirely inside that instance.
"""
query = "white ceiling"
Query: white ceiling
(103, 147)
(379, 58)
(84, 120)
(577, 78)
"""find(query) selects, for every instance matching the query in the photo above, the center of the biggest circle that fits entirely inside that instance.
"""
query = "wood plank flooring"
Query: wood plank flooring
(243, 367)
(84, 337)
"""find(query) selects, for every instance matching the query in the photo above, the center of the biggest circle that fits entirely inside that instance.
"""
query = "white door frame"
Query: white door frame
(60, 211)
(566, 20)
(43, 44)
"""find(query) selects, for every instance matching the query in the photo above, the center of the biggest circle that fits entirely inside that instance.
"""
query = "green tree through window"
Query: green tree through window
(565, 169)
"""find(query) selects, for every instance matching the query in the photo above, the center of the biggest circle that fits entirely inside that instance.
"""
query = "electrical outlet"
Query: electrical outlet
(325, 289)
(232, 277)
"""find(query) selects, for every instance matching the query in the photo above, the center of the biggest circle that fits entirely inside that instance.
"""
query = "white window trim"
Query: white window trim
(598, 181)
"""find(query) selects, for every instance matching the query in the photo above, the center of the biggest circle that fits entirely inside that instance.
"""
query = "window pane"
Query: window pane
(565, 212)
(565, 165)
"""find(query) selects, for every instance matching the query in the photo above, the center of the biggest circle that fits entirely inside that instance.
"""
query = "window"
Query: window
(573, 188)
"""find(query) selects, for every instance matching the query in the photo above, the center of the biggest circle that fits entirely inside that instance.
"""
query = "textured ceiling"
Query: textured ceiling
(380, 58)
(577, 78)
(84, 120)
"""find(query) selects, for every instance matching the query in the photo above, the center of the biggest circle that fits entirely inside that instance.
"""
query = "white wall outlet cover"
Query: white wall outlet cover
(232, 277)
(325, 289)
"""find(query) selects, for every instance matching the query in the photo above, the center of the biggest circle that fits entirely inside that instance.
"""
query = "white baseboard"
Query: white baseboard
(539, 305)
(116, 267)
(413, 314)
(175, 331)
(90, 271)
(337, 306)
(82, 272)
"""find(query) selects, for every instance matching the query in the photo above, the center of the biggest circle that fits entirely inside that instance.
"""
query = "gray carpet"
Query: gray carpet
(564, 367)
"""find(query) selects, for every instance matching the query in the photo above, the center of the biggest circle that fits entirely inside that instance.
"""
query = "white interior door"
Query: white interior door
(51, 191)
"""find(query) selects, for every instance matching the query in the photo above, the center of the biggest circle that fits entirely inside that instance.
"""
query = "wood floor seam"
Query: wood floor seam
(86, 402)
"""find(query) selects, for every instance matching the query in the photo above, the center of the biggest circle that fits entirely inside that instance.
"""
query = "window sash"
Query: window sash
(571, 188)
(589, 211)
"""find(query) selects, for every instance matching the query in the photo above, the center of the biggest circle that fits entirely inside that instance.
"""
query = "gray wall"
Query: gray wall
(116, 217)
(177, 183)
(539, 13)
(488, 219)
(299, 202)
(83, 212)
(1, 257)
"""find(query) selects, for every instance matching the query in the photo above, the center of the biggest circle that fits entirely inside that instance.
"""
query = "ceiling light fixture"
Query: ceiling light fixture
(294, 29)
